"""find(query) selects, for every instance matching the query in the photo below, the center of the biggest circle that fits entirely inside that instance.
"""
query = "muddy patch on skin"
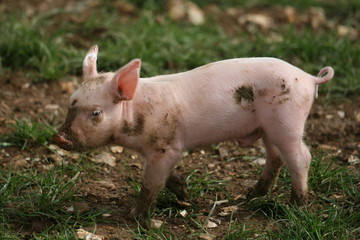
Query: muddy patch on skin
(162, 139)
(136, 128)
(244, 93)
(70, 117)
(284, 90)
(262, 92)
(283, 100)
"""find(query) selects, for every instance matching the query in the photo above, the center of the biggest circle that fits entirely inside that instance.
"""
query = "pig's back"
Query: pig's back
(225, 99)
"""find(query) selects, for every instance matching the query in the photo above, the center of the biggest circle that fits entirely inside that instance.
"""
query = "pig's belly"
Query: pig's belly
(244, 128)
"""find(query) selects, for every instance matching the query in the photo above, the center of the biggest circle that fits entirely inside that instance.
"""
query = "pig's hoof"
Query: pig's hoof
(136, 213)
(298, 200)
(255, 192)
(176, 184)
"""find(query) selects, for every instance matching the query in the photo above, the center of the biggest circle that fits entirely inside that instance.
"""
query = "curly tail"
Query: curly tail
(325, 75)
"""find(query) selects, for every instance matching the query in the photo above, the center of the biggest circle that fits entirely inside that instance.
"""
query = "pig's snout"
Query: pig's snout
(60, 139)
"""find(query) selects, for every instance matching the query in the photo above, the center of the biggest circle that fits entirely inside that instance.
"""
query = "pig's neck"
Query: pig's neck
(154, 101)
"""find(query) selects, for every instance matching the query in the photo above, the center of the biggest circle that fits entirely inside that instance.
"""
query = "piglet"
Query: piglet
(241, 99)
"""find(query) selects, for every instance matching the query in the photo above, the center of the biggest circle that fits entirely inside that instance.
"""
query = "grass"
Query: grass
(334, 214)
(26, 132)
(43, 197)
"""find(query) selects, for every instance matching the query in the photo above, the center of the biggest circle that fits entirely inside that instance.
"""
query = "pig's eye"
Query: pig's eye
(96, 113)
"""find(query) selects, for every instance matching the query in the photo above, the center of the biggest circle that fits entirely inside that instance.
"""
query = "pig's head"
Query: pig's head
(93, 114)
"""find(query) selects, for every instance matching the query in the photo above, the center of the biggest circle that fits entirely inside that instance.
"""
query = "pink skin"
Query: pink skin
(238, 99)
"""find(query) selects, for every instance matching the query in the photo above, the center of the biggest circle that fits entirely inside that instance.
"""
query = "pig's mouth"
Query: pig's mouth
(61, 141)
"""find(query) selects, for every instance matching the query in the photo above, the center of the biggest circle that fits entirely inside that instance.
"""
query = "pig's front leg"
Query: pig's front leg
(176, 184)
(157, 170)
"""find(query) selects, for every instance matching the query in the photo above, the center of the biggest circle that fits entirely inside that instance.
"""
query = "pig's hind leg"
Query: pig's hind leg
(297, 158)
(271, 170)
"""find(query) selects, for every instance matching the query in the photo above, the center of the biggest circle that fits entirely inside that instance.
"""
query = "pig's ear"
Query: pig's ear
(89, 63)
(127, 78)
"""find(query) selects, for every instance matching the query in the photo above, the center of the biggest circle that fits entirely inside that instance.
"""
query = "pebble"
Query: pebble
(183, 213)
(83, 234)
(259, 161)
(228, 210)
(210, 224)
(223, 152)
(154, 223)
(104, 157)
(206, 236)
(116, 149)
(341, 114)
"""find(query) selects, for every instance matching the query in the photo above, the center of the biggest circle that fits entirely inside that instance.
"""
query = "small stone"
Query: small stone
(290, 14)
(154, 223)
(195, 14)
(341, 114)
(357, 117)
(52, 107)
(83, 234)
(56, 158)
(106, 184)
(177, 9)
(260, 20)
(58, 150)
(327, 147)
(202, 152)
(211, 165)
(205, 236)
(353, 159)
(259, 161)
(68, 86)
(329, 116)
(345, 31)
(70, 209)
(104, 157)
(210, 224)
(124, 7)
(75, 156)
(317, 17)
(227, 179)
(20, 163)
(185, 154)
(183, 213)
(240, 196)
(223, 152)
(116, 149)
(228, 210)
